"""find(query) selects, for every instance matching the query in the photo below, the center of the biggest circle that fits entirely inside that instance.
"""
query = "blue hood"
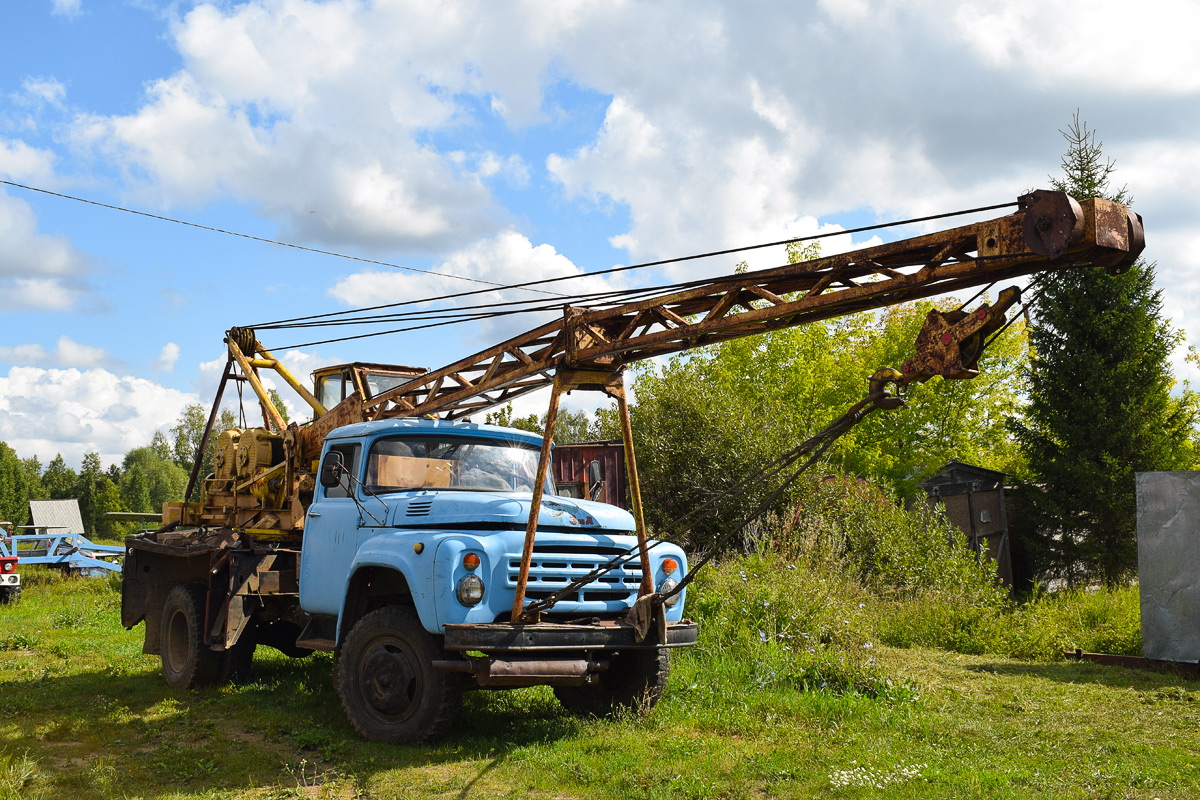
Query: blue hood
(451, 508)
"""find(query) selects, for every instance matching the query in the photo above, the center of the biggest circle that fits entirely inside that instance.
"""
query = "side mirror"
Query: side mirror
(332, 470)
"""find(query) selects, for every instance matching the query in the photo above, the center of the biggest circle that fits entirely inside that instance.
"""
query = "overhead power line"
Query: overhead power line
(264, 240)
(454, 315)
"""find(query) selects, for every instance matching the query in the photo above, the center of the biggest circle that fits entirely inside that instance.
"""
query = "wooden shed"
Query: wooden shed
(974, 501)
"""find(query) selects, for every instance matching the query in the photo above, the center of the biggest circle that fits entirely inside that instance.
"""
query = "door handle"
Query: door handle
(314, 513)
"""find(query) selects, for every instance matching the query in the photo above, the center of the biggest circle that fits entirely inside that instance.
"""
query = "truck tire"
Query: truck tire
(186, 660)
(385, 677)
(10, 594)
(635, 680)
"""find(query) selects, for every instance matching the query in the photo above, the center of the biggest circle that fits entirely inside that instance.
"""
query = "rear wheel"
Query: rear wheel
(187, 661)
(385, 677)
(635, 680)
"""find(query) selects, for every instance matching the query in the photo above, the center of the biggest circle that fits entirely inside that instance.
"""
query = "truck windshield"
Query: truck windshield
(397, 463)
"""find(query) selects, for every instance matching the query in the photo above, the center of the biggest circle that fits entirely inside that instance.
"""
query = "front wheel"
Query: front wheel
(187, 662)
(387, 683)
(634, 680)
(10, 594)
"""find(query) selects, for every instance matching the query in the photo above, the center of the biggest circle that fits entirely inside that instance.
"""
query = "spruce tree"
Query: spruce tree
(1100, 406)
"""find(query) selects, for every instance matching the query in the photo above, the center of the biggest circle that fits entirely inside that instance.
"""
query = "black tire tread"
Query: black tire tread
(446, 696)
(204, 666)
(635, 681)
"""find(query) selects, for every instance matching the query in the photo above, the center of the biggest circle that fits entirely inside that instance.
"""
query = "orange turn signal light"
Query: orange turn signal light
(669, 566)
(470, 562)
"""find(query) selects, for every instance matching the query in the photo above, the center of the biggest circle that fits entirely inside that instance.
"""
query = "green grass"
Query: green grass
(83, 714)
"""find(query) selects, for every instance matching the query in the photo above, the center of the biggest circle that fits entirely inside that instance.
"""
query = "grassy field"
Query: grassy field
(753, 712)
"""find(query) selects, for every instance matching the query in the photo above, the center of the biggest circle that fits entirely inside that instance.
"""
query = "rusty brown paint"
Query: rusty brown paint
(635, 490)
(535, 504)
(660, 325)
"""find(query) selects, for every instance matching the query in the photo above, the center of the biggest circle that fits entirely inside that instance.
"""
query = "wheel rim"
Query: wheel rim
(390, 679)
(177, 641)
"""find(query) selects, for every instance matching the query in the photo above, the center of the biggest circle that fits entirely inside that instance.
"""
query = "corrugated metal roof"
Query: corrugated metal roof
(56, 514)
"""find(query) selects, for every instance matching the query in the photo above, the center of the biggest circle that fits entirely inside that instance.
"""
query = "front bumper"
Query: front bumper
(502, 637)
(11, 579)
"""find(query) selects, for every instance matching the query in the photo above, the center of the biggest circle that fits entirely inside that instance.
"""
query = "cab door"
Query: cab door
(331, 536)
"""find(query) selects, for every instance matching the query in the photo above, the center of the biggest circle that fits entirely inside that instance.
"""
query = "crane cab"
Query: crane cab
(332, 385)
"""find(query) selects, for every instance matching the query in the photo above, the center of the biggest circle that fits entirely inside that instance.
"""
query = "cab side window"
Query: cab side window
(350, 455)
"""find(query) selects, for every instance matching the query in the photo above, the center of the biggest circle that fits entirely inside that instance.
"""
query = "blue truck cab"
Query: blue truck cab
(410, 564)
(406, 566)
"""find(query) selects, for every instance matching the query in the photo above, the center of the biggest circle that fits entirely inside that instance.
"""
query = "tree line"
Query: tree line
(145, 479)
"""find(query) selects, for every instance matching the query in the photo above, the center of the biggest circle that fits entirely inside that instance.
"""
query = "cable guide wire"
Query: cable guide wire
(813, 447)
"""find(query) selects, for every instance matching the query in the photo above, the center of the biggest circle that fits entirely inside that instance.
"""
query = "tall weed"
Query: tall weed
(770, 622)
(852, 564)
(20, 778)
(892, 550)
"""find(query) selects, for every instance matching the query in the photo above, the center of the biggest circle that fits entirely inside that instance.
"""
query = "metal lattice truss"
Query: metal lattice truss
(1050, 231)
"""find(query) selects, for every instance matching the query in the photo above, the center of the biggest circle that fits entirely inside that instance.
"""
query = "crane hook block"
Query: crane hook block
(880, 385)
(1053, 222)
(951, 342)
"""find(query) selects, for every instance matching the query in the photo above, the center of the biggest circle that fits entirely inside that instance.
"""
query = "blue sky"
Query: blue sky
(506, 142)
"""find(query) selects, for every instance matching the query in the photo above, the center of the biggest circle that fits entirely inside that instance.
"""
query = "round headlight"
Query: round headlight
(668, 585)
(470, 590)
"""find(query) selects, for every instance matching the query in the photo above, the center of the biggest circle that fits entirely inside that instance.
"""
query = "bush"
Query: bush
(892, 550)
(852, 565)
(770, 622)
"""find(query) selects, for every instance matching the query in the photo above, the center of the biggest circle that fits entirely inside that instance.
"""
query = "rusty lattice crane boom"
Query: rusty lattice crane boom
(1049, 231)
(589, 348)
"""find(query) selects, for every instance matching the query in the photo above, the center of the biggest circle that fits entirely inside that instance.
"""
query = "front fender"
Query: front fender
(492, 569)
(396, 551)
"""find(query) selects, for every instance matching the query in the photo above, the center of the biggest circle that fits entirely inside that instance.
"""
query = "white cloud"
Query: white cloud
(20, 162)
(73, 354)
(38, 91)
(165, 362)
(1057, 40)
(348, 91)
(72, 411)
(66, 8)
(37, 271)
(506, 258)
(67, 353)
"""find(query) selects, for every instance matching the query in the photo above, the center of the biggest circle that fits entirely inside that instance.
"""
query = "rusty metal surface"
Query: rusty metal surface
(571, 468)
(950, 342)
(1188, 668)
(535, 504)
(498, 637)
(1049, 232)
(1053, 220)
(755, 302)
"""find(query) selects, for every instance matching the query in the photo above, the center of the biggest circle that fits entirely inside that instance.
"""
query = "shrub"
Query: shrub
(771, 622)
(852, 564)
(892, 550)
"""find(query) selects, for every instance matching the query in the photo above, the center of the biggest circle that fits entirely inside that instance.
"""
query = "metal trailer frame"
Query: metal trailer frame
(64, 550)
